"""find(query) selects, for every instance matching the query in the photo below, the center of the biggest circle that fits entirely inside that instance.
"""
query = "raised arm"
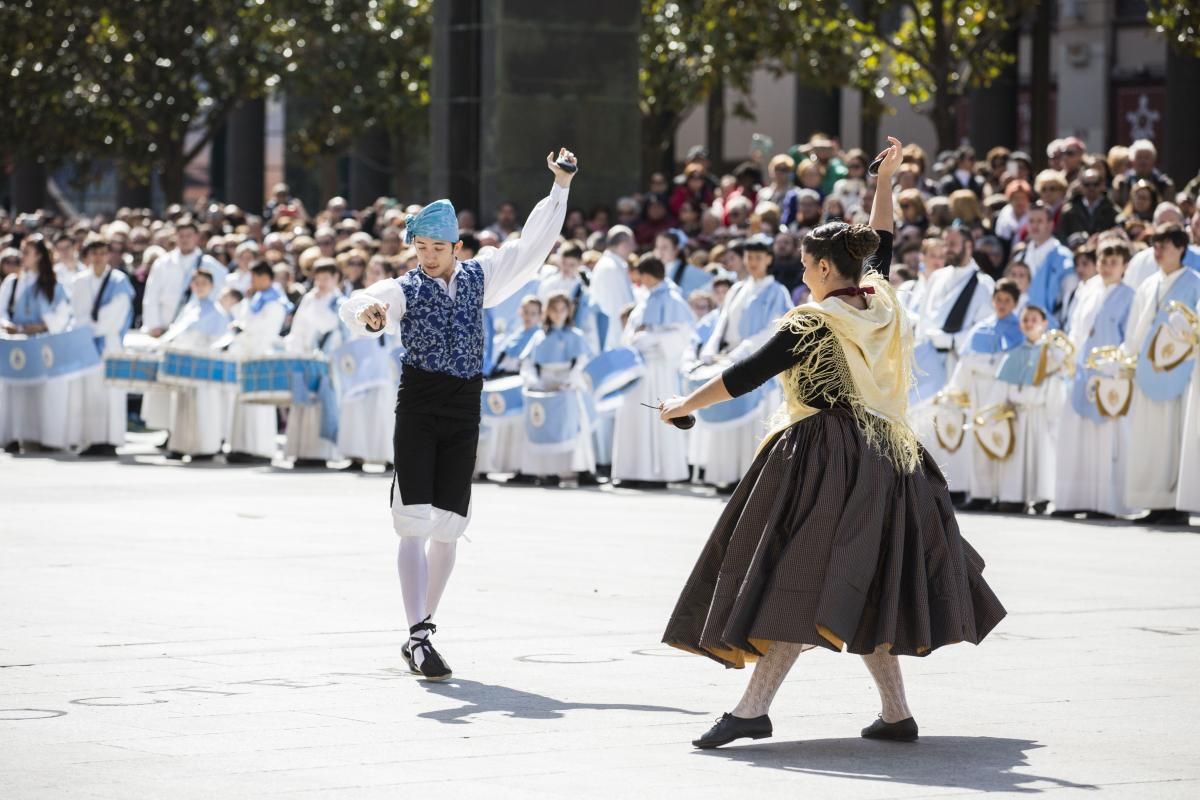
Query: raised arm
(515, 263)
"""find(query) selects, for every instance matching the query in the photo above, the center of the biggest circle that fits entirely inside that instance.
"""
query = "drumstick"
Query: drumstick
(683, 423)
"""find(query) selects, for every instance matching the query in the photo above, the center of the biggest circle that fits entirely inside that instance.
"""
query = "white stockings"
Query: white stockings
(772, 669)
(423, 576)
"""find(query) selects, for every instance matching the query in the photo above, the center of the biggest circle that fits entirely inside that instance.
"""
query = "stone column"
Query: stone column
(513, 80)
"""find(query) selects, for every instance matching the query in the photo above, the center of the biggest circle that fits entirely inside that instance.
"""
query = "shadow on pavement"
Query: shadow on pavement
(482, 698)
(981, 763)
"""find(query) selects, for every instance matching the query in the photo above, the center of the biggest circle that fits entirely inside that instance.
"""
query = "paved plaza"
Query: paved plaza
(173, 631)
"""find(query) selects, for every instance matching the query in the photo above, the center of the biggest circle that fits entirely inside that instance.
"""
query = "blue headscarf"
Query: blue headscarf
(436, 221)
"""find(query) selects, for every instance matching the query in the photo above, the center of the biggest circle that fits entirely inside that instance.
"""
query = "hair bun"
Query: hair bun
(861, 241)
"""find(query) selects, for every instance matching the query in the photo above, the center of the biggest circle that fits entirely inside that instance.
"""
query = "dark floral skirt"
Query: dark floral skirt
(825, 542)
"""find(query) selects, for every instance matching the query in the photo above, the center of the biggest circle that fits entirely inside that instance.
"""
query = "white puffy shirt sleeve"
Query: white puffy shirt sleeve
(516, 263)
(388, 292)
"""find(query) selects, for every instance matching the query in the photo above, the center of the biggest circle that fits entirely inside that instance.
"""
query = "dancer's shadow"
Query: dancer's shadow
(481, 698)
(981, 763)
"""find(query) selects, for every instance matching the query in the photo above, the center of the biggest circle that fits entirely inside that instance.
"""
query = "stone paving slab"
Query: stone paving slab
(199, 632)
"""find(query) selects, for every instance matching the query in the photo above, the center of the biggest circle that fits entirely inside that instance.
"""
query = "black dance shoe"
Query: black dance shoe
(432, 667)
(1165, 516)
(12, 447)
(976, 504)
(355, 465)
(587, 479)
(903, 731)
(99, 451)
(238, 457)
(730, 728)
(309, 463)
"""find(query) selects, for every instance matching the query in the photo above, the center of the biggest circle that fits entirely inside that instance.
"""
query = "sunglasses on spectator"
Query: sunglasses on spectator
(1090, 184)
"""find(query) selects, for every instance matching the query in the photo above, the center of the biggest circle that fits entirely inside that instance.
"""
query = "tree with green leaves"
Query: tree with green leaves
(695, 49)
(940, 51)
(1179, 21)
(357, 68)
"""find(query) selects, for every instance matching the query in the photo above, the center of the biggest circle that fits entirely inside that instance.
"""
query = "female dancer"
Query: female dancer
(842, 533)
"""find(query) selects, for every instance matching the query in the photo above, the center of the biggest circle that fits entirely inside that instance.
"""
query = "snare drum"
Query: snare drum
(613, 373)
(131, 370)
(552, 419)
(281, 380)
(502, 397)
(188, 368)
(730, 412)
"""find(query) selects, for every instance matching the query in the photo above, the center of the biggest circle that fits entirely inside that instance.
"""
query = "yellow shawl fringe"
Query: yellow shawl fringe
(865, 366)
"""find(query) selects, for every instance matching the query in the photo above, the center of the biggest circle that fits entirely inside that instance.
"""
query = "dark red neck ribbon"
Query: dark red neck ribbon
(852, 291)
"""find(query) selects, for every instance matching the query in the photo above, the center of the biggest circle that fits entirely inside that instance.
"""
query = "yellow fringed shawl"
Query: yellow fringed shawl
(865, 366)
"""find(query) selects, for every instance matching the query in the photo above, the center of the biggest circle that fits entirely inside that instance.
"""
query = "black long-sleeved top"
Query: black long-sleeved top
(780, 352)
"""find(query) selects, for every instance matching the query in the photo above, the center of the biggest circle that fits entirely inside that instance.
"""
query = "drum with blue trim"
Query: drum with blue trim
(730, 412)
(131, 370)
(502, 397)
(553, 419)
(281, 380)
(32, 359)
(613, 373)
(189, 368)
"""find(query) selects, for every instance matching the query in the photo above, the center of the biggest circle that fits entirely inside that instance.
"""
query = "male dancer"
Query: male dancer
(438, 310)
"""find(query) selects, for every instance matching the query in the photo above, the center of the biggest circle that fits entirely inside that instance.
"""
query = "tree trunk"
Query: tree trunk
(245, 155)
(173, 168)
(658, 144)
(28, 186)
(1039, 117)
(133, 192)
(714, 123)
(370, 170)
(1182, 160)
(945, 122)
(941, 112)
(868, 123)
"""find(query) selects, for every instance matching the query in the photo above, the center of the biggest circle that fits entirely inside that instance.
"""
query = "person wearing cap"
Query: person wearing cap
(257, 321)
(315, 329)
(438, 309)
(1161, 379)
(198, 412)
(102, 299)
(747, 320)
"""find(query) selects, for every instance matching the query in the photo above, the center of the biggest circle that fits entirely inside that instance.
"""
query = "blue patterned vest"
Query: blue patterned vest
(440, 334)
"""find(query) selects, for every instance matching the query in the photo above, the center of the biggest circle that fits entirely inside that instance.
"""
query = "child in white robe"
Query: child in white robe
(102, 298)
(501, 445)
(1092, 447)
(257, 320)
(745, 323)
(315, 329)
(553, 361)
(1161, 381)
(647, 454)
(991, 478)
(197, 412)
(33, 302)
(1036, 400)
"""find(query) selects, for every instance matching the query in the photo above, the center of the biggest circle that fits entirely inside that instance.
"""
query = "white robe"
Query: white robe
(99, 409)
(936, 299)
(581, 456)
(611, 292)
(1155, 428)
(644, 449)
(40, 412)
(1187, 497)
(988, 479)
(314, 318)
(1091, 456)
(727, 451)
(505, 270)
(1038, 409)
(255, 425)
(198, 413)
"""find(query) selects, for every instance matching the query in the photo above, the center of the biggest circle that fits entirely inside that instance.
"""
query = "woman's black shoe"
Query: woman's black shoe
(730, 728)
(903, 731)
